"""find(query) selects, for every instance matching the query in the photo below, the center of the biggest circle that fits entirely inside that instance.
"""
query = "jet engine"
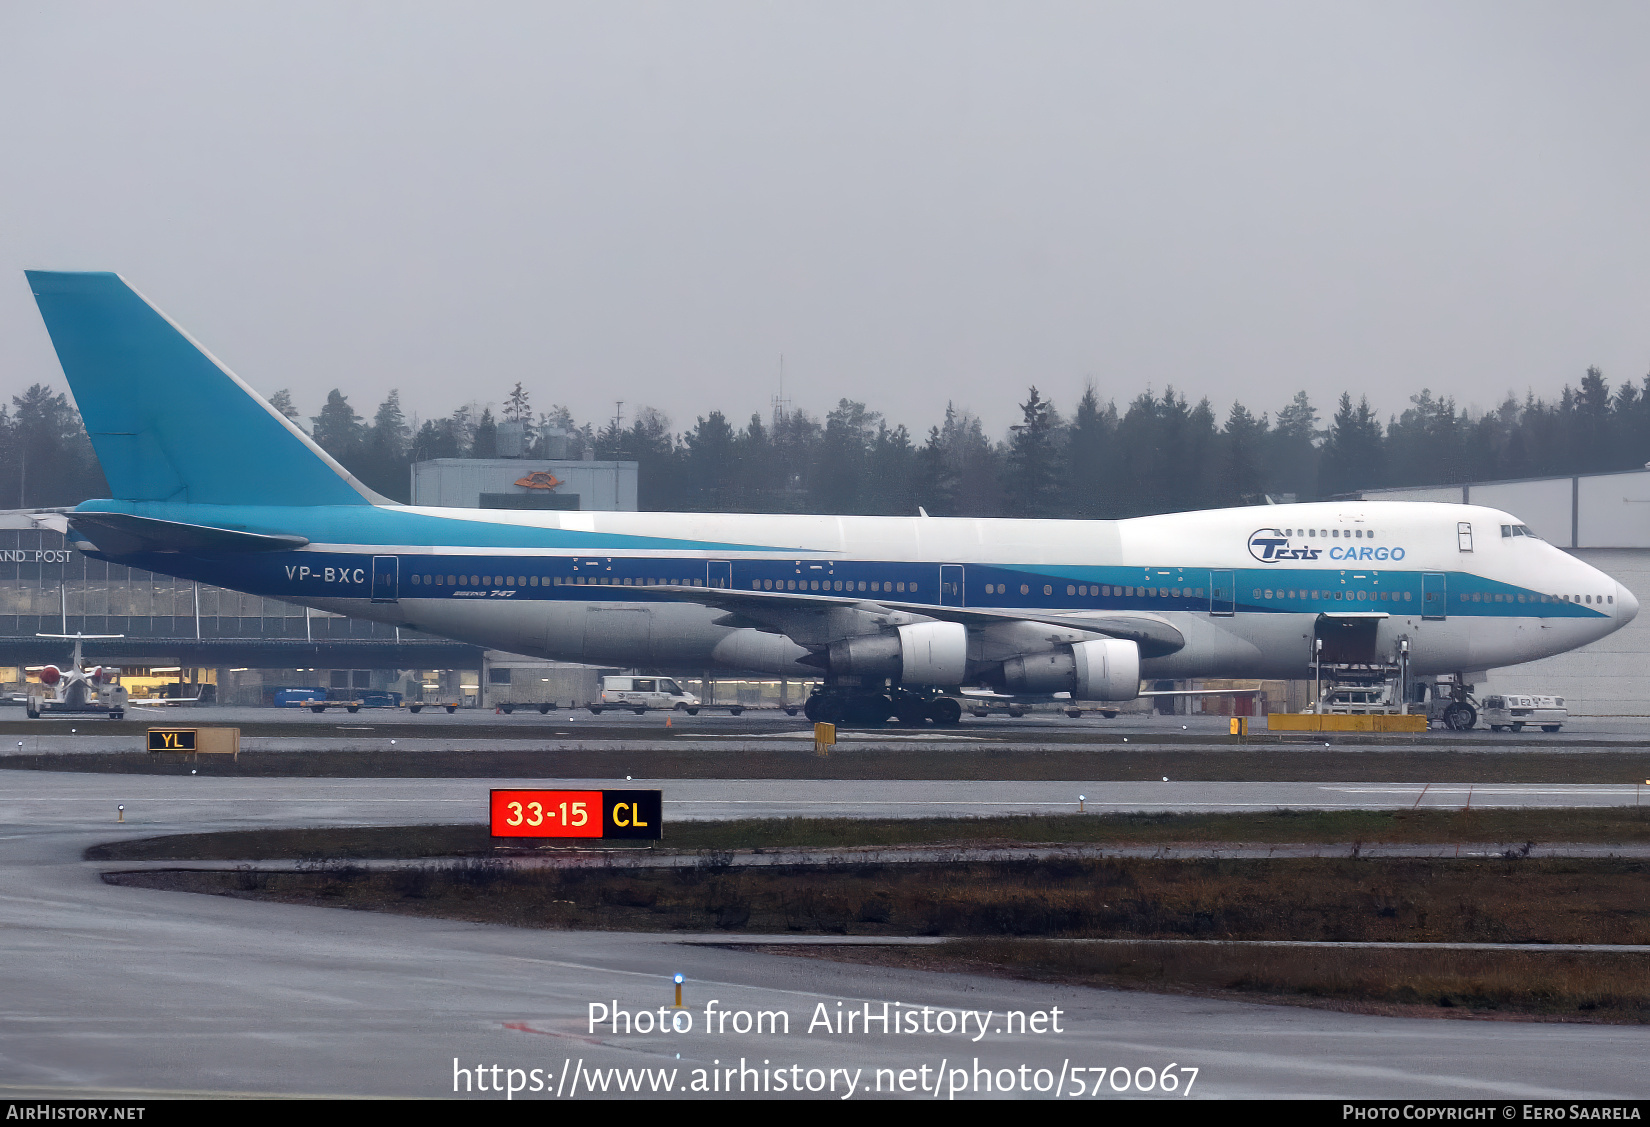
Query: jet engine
(50, 675)
(924, 653)
(1107, 669)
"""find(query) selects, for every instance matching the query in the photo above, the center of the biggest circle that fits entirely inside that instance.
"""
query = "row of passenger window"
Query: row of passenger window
(555, 581)
(1490, 597)
(1332, 533)
(882, 586)
(1349, 596)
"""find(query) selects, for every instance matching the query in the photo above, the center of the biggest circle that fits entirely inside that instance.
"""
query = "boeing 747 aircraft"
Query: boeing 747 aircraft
(211, 483)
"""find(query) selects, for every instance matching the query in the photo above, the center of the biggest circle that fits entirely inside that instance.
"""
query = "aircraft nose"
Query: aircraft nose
(1627, 607)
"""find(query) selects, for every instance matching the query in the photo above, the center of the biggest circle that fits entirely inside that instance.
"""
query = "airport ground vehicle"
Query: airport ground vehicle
(1515, 710)
(640, 694)
(297, 697)
(1449, 704)
(894, 614)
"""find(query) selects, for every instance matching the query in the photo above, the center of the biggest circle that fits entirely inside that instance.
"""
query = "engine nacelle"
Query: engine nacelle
(933, 653)
(1052, 671)
(870, 655)
(924, 653)
(1107, 669)
(50, 675)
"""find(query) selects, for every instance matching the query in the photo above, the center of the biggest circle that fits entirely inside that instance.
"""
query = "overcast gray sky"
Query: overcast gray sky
(911, 201)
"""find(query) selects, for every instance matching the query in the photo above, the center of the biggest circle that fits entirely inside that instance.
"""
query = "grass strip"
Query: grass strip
(1096, 761)
(1610, 824)
(1587, 986)
(1506, 900)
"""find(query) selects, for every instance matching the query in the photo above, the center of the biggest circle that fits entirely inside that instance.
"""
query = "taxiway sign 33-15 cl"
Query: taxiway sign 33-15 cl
(211, 483)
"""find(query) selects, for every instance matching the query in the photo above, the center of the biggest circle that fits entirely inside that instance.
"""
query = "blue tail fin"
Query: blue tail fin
(168, 422)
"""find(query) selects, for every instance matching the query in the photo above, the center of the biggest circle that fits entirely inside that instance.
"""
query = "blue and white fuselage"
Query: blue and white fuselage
(616, 588)
(211, 483)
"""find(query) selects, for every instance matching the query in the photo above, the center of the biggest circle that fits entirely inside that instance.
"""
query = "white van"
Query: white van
(1514, 710)
(642, 693)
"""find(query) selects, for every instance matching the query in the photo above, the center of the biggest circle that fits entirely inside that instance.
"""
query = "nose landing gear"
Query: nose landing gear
(1460, 716)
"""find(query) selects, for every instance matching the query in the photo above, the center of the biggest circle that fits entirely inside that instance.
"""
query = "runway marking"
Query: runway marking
(523, 1027)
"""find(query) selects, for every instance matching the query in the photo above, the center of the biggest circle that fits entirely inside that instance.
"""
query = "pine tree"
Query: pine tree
(384, 461)
(282, 402)
(516, 407)
(1032, 482)
(1292, 454)
(485, 444)
(1243, 476)
(1090, 475)
(338, 429)
(1351, 455)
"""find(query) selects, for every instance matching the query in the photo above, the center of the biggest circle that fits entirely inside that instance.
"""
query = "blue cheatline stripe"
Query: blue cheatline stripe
(562, 576)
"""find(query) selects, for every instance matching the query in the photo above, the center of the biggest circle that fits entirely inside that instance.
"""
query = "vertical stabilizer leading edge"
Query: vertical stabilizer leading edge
(168, 421)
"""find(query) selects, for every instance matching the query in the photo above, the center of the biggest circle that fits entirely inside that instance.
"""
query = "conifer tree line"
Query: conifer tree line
(1159, 453)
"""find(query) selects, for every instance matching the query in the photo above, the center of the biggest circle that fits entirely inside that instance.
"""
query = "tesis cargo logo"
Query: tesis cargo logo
(1270, 545)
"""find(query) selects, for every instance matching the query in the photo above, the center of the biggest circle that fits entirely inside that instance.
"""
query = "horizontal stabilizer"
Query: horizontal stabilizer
(121, 534)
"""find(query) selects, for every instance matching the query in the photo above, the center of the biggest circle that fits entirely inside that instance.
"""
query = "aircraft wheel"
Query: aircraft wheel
(1549, 727)
(1497, 728)
(693, 712)
(1109, 715)
(544, 709)
(1460, 717)
(980, 711)
(944, 711)
(865, 712)
(1075, 713)
(595, 710)
(1016, 712)
(737, 711)
(1518, 727)
(639, 711)
(790, 712)
(316, 708)
(830, 710)
(810, 709)
(452, 708)
(911, 711)
(414, 708)
(354, 708)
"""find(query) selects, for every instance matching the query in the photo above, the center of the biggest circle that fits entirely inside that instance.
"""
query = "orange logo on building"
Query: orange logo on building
(539, 479)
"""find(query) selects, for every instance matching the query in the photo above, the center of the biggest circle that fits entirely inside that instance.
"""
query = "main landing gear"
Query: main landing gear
(872, 709)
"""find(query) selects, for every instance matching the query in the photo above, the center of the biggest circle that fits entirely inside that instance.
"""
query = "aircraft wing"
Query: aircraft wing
(1155, 635)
